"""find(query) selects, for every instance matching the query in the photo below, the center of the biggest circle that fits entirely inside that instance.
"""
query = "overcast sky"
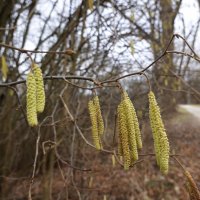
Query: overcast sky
(189, 11)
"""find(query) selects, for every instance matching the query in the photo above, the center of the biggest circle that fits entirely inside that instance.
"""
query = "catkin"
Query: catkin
(99, 115)
(93, 118)
(130, 127)
(129, 132)
(124, 136)
(153, 122)
(136, 123)
(161, 143)
(40, 93)
(192, 187)
(31, 100)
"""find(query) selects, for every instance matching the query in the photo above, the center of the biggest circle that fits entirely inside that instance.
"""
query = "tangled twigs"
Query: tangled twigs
(105, 82)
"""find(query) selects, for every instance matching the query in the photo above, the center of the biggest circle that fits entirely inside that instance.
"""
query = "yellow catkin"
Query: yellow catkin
(153, 127)
(124, 136)
(93, 118)
(99, 115)
(31, 100)
(161, 143)
(130, 127)
(39, 88)
(192, 187)
(136, 123)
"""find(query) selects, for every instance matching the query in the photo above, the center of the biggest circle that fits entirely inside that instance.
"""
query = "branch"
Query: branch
(67, 52)
(98, 83)
(51, 78)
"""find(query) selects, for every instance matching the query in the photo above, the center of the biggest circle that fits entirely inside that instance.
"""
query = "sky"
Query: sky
(189, 12)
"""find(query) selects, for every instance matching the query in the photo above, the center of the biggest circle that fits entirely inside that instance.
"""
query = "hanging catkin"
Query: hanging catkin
(99, 115)
(31, 100)
(135, 121)
(161, 143)
(129, 132)
(153, 122)
(130, 127)
(40, 93)
(124, 135)
(192, 187)
(94, 122)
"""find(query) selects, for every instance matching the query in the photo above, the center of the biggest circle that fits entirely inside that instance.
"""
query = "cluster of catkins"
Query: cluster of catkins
(129, 132)
(35, 96)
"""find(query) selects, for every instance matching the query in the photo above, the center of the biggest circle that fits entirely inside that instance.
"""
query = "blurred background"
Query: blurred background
(110, 39)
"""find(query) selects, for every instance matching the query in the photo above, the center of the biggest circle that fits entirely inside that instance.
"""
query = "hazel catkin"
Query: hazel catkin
(129, 132)
(31, 100)
(161, 143)
(99, 115)
(192, 187)
(124, 136)
(94, 122)
(40, 93)
(135, 121)
(130, 127)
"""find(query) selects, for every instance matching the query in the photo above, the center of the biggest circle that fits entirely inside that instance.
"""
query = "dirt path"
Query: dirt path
(193, 109)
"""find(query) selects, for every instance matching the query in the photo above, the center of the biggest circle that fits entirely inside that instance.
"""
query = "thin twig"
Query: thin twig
(66, 52)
